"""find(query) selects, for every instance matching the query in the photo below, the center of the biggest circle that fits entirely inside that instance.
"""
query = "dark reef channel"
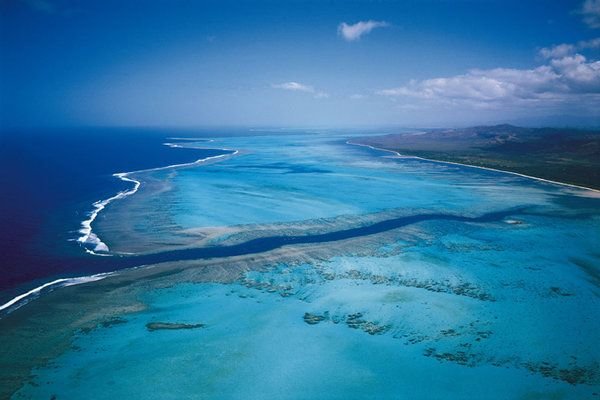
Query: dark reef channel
(93, 264)
(261, 245)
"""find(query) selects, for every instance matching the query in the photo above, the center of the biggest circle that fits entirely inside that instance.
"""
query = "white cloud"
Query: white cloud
(356, 96)
(559, 50)
(355, 31)
(591, 13)
(578, 74)
(570, 79)
(566, 49)
(295, 86)
(299, 87)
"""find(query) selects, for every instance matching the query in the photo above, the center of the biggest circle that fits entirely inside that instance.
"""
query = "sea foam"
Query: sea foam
(89, 240)
(24, 298)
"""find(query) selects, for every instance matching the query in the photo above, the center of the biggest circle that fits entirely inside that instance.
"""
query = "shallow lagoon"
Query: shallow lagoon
(436, 309)
(294, 178)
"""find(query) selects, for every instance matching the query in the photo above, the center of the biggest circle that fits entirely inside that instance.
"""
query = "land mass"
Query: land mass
(559, 154)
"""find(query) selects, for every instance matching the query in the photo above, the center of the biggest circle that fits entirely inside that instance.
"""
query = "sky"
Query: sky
(291, 63)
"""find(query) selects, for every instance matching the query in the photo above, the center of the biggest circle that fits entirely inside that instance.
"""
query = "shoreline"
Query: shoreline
(100, 205)
(265, 245)
(88, 237)
(571, 185)
(61, 282)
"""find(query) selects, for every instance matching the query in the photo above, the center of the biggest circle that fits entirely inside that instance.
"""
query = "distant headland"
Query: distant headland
(563, 155)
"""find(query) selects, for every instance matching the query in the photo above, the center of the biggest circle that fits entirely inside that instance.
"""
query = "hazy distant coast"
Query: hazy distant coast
(557, 154)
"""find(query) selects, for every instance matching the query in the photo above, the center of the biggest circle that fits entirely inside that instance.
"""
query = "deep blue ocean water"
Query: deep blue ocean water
(49, 180)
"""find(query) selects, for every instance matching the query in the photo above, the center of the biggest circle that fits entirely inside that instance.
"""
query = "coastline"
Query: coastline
(120, 300)
(91, 238)
(62, 282)
(254, 246)
(478, 167)
(88, 237)
(365, 281)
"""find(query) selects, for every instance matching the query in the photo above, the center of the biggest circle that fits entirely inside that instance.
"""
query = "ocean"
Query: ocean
(290, 264)
(51, 179)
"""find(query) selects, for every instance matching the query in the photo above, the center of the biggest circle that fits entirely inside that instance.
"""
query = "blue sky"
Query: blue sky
(297, 63)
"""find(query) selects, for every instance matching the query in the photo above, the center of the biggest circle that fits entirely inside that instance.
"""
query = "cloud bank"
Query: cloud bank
(565, 49)
(355, 31)
(566, 79)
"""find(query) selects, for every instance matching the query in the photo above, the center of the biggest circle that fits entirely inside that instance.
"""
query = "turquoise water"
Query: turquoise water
(275, 182)
(294, 178)
(437, 309)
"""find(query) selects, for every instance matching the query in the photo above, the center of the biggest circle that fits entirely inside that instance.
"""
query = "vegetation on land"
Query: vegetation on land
(557, 154)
